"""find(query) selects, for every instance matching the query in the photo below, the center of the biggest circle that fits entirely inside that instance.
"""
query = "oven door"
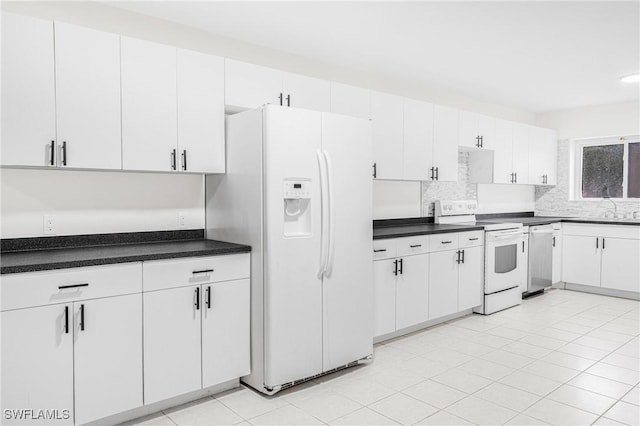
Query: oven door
(502, 267)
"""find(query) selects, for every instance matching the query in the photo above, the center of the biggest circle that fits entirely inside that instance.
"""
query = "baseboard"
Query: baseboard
(420, 326)
(165, 404)
(599, 290)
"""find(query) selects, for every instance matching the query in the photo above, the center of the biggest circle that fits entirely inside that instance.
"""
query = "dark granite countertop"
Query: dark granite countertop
(420, 229)
(397, 228)
(56, 257)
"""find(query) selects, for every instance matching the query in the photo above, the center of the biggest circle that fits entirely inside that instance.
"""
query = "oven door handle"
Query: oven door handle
(515, 237)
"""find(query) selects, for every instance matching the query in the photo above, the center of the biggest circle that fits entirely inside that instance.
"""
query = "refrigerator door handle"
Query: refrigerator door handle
(324, 216)
(331, 228)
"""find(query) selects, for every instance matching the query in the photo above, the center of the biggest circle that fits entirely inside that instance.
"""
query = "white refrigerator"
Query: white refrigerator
(298, 190)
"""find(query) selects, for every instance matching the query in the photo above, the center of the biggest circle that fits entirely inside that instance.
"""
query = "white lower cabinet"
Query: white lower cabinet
(456, 275)
(81, 354)
(82, 357)
(412, 291)
(400, 284)
(107, 355)
(37, 362)
(225, 332)
(556, 258)
(196, 334)
(172, 335)
(604, 256)
(471, 278)
(384, 297)
(443, 284)
(423, 278)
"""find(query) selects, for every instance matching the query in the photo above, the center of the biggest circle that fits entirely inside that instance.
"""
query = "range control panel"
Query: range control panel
(297, 189)
(455, 208)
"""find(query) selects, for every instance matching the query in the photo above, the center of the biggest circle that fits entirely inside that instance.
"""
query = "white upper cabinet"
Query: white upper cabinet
(445, 143)
(28, 92)
(503, 152)
(386, 117)
(88, 97)
(149, 107)
(418, 140)
(476, 130)
(350, 100)
(200, 94)
(306, 92)
(543, 145)
(520, 148)
(249, 86)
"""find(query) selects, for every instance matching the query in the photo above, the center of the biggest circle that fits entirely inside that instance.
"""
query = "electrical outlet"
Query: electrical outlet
(182, 219)
(48, 224)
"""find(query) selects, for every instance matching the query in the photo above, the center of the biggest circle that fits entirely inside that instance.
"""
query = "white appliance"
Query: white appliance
(298, 190)
(503, 274)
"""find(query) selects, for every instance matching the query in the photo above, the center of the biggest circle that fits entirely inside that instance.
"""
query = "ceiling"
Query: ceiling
(532, 55)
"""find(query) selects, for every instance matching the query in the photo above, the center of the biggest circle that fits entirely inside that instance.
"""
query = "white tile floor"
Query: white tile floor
(565, 358)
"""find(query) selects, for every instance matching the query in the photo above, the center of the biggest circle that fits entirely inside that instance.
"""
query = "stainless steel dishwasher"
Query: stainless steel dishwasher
(540, 258)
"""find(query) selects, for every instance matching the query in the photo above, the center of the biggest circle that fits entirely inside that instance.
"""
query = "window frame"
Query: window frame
(577, 156)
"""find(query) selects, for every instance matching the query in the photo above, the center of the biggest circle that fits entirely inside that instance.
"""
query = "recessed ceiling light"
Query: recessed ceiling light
(631, 78)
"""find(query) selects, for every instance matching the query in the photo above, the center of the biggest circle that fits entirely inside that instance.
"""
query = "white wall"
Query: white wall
(595, 121)
(97, 202)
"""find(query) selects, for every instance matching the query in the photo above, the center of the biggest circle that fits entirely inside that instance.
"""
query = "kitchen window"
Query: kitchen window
(607, 168)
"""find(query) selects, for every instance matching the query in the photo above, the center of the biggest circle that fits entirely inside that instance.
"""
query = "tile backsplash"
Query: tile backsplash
(554, 201)
(460, 190)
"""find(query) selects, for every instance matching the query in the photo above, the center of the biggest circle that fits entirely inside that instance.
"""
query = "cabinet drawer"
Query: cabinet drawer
(471, 239)
(162, 274)
(597, 230)
(67, 285)
(445, 241)
(384, 249)
(412, 245)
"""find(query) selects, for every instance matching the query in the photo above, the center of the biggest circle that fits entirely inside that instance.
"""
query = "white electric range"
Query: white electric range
(502, 263)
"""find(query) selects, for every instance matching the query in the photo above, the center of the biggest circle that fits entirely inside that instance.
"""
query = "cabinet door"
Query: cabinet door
(418, 140)
(468, 130)
(471, 278)
(200, 112)
(88, 97)
(487, 131)
(37, 361)
(28, 91)
(107, 356)
(620, 268)
(384, 297)
(523, 264)
(172, 352)
(386, 117)
(225, 331)
(551, 156)
(556, 265)
(581, 257)
(412, 291)
(249, 86)
(503, 152)
(443, 283)
(445, 143)
(521, 153)
(350, 100)
(537, 156)
(149, 107)
(306, 92)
